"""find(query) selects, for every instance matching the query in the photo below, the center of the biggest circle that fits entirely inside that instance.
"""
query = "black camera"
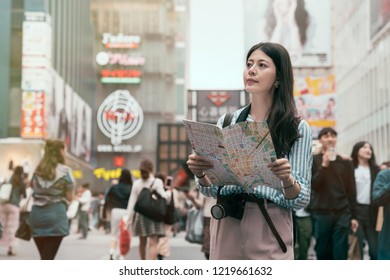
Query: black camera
(228, 206)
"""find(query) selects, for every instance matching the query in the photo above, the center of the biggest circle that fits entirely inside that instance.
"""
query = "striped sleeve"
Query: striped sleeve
(301, 160)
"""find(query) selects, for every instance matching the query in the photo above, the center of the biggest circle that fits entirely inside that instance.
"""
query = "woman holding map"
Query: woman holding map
(255, 222)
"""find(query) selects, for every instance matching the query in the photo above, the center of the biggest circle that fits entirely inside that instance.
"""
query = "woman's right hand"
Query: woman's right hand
(198, 164)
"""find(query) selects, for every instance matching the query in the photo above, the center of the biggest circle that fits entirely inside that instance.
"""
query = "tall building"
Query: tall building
(47, 82)
(140, 53)
(362, 70)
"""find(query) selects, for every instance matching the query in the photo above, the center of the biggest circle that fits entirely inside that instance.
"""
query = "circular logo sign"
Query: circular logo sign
(102, 58)
(120, 116)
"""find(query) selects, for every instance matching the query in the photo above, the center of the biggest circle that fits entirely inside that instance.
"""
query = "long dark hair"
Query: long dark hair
(125, 177)
(355, 151)
(283, 120)
(301, 17)
(17, 177)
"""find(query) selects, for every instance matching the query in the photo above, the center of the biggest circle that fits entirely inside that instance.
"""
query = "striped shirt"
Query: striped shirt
(300, 159)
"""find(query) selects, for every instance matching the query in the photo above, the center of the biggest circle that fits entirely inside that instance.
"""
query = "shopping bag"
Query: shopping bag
(124, 237)
(194, 226)
(151, 204)
(171, 216)
(24, 229)
(354, 250)
(5, 192)
(73, 209)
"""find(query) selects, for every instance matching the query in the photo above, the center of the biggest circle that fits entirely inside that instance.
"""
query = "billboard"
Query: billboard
(315, 99)
(212, 104)
(70, 118)
(302, 26)
(380, 15)
(33, 119)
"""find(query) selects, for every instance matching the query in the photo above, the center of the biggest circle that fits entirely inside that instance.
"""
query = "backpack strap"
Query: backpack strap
(227, 120)
(244, 114)
(241, 118)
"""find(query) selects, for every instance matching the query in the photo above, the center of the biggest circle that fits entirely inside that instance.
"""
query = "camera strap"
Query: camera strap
(272, 226)
(242, 117)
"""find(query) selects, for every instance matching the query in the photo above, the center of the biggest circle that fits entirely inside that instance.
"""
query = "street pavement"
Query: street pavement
(96, 247)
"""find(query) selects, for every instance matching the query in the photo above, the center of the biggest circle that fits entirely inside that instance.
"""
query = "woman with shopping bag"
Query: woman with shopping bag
(142, 226)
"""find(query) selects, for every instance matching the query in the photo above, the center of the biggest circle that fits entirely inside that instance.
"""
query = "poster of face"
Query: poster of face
(303, 27)
(315, 99)
(81, 128)
(380, 15)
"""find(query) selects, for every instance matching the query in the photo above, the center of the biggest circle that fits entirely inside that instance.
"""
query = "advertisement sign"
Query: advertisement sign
(123, 76)
(70, 119)
(36, 51)
(315, 99)
(120, 117)
(380, 16)
(33, 121)
(212, 104)
(121, 41)
(115, 58)
(303, 27)
(81, 128)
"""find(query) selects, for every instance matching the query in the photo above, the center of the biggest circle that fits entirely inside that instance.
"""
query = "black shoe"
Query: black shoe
(160, 257)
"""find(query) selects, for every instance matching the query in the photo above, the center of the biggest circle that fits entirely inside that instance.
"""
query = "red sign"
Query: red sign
(218, 98)
(33, 121)
(121, 73)
(119, 161)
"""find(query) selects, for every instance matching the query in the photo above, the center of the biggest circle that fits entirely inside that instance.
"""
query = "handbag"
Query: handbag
(24, 229)
(151, 204)
(194, 226)
(124, 237)
(354, 249)
(73, 209)
(5, 192)
(171, 216)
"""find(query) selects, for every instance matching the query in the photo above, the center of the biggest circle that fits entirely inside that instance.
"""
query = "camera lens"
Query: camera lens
(217, 212)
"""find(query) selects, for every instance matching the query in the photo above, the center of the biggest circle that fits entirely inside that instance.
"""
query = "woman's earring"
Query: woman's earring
(276, 84)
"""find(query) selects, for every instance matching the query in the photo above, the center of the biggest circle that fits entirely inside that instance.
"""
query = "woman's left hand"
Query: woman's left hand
(281, 168)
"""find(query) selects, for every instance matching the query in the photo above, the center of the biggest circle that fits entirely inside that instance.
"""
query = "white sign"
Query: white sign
(104, 58)
(120, 116)
(121, 41)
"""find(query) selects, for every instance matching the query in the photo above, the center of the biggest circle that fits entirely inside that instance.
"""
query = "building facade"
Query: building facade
(362, 68)
(47, 84)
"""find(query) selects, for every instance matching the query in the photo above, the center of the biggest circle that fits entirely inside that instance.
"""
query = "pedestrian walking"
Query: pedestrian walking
(205, 203)
(117, 199)
(163, 245)
(381, 197)
(53, 188)
(147, 229)
(10, 211)
(303, 233)
(85, 199)
(366, 170)
(333, 203)
(265, 230)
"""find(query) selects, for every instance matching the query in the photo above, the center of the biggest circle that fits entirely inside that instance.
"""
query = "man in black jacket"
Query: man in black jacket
(333, 201)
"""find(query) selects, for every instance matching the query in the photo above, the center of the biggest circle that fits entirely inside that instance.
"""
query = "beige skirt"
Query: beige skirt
(251, 238)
